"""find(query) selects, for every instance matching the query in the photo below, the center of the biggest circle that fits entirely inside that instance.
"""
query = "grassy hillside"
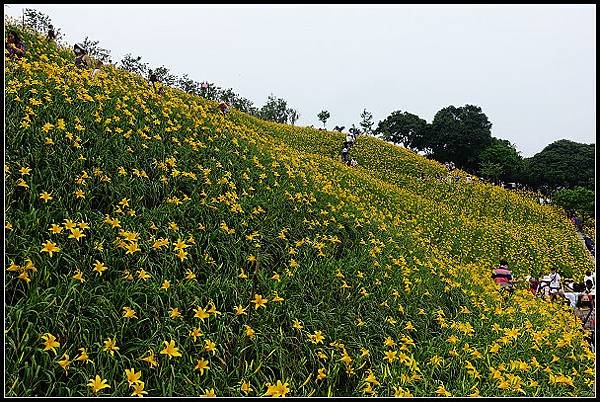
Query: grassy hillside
(137, 221)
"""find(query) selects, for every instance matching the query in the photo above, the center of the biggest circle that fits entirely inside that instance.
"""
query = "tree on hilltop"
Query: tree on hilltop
(563, 163)
(40, 22)
(402, 128)
(134, 64)
(188, 85)
(367, 122)
(94, 50)
(239, 102)
(164, 76)
(459, 134)
(323, 116)
(505, 159)
(578, 199)
(277, 110)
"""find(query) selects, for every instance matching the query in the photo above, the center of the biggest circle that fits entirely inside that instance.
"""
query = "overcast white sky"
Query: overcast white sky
(531, 68)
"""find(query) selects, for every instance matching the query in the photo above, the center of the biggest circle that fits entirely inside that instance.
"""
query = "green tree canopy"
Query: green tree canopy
(134, 64)
(94, 50)
(164, 76)
(459, 135)
(276, 110)
(367, 122)
(504, 155)
(323, 116)
(402, 128)
(185, 83)
(40, 22)
(563, 163)
(491, 170)
(578, 199)
(37, 20)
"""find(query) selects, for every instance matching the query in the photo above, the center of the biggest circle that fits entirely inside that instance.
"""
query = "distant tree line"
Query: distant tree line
(40, 22)
(461, 135)
(275, 109)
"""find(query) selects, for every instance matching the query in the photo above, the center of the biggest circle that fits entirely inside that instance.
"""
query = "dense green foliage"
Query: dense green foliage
(563, 163)
(324, 116)
(504, 157)
(578, 199)
(403, 128)
(459, 134)
(277, 110)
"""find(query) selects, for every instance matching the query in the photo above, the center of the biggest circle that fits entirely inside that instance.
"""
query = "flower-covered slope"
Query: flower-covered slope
(155, 247)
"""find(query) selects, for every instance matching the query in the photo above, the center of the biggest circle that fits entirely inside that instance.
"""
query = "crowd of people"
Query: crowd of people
(580, 295)
(347, 146)
(578, 224)
(451, 177)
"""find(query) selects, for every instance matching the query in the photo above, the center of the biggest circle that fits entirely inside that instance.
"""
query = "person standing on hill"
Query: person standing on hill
(14, 45)
(544, 286)
(534, 283)
(152, 80)
(51, 36)
(98, 69)
(578, 223)
(586, 298)
(503, 276)
(345, 153)
(355, 132)
(588, 277)
(204, 89)
(224, 108)
(82, 60)
(350, 139)
(589, 243)
(554, 281)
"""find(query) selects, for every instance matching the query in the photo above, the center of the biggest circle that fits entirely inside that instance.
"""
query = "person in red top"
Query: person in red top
(14, 45)
(534, 283)
(224, 107)
(503, 276)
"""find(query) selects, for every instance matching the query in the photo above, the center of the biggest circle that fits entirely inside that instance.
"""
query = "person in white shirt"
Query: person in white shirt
(345, 153)
(544, 286)
(349, 139)
(554, 281)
